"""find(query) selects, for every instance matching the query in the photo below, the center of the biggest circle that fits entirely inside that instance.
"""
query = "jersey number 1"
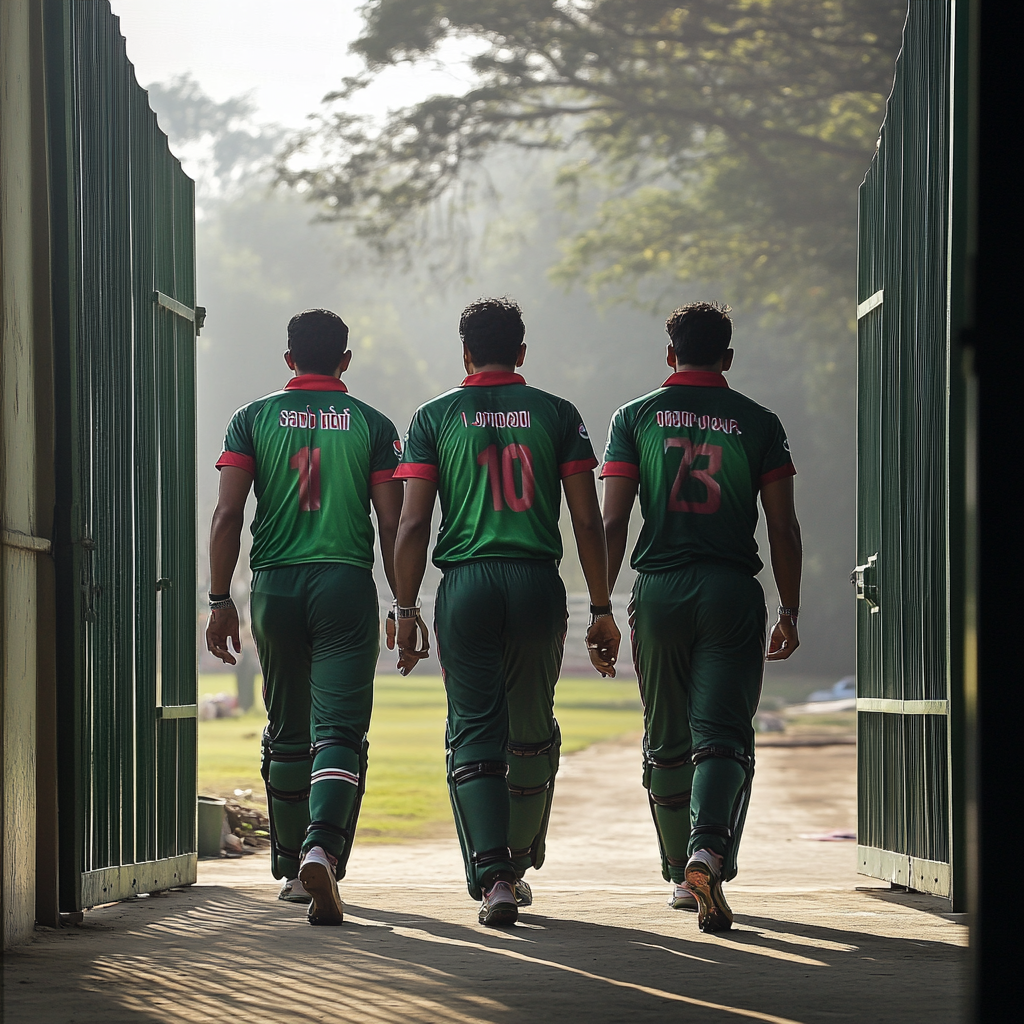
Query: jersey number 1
(307, 462)
(503, 478)
(705, 476)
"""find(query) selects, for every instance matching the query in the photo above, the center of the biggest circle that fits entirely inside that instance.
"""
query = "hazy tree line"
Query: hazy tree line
(615, 160)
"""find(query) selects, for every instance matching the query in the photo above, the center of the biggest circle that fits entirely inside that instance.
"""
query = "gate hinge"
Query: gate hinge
(865, 579)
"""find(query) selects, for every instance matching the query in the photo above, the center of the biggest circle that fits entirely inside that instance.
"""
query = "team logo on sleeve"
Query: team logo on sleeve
(397, 445)
(583, 432)
(785, 443)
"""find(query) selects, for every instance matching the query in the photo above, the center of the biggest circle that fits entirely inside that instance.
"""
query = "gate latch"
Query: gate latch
(865, 579)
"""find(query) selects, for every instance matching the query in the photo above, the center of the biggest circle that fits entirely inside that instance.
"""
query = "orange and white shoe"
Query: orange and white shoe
(704, 880)
(316, 874)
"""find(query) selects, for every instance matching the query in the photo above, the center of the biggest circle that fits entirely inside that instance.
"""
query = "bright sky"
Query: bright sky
(288, 53)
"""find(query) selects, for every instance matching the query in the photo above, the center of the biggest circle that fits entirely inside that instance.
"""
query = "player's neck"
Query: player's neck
(491, 368)
(691, 368)
(299, 372)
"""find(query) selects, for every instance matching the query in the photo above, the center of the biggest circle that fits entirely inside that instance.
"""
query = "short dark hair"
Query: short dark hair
(700, 332)
(317, 339)
(492, 330)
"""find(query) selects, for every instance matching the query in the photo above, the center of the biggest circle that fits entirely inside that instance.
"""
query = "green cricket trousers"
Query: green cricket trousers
(317, 630)
(500, 627)
(698, 637)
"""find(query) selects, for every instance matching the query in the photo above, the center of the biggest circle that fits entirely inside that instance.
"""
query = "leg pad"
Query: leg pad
(532, 768)
(286, 772)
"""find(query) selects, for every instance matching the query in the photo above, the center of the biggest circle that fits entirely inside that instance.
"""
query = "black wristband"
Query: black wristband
(601, 609)
(219, 597)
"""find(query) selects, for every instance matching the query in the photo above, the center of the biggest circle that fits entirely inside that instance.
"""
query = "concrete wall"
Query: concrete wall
(25, 525)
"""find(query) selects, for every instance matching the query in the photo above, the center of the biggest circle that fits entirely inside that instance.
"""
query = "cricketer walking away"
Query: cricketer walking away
(500, 453)
(700, 454)
(318, 458)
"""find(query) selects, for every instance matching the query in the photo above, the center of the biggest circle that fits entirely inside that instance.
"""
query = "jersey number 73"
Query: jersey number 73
(706, 476)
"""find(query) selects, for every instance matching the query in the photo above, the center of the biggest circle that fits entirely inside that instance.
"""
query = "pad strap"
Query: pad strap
(288, 796)
(702, 754)
(679, 762)
(711, 830)
(334, 741)
(498, 855)
(326, 826)
(529, 790)
(673, 801)
(287, 757)
(530, 749)
(479, 769)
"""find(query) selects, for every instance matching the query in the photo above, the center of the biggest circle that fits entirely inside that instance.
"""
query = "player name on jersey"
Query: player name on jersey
(328, 419)
(681, 418)
(486, 418)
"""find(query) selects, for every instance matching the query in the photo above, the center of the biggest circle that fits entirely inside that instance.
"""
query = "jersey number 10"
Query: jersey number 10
(503, 478)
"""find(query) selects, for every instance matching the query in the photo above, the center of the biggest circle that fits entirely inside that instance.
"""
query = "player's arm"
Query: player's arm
(411, 558)
(787, 562)
(619, 495)
(225, 543)
(386, 498)
(581, 497)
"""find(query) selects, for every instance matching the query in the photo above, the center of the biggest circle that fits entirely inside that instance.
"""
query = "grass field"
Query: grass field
(406, 797)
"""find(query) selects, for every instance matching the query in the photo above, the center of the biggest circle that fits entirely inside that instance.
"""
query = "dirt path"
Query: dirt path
(601, 832)
(598, 946)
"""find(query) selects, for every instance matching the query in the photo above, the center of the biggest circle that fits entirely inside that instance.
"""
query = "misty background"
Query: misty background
(519, 218)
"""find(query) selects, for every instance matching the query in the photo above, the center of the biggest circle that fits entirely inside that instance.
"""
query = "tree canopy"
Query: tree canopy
(706, 141)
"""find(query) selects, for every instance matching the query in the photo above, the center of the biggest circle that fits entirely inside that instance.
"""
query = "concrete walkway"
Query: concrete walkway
(598, 945)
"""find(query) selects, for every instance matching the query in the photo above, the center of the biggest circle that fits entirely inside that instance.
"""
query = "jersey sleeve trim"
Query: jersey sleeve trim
(627, 469)
(778, 474)
(578, 466)
(381, 476)
(417, 471)
(237, 459)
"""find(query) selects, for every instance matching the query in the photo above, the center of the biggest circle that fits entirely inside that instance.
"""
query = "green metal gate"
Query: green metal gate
(122, 214)
(909, 623)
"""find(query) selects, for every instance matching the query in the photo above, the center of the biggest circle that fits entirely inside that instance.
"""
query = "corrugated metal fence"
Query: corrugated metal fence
(908, 628)
(122, 214)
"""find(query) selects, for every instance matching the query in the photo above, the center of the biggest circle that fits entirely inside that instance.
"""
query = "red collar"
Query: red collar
(492, 379)
(315, 382)
(697, 379)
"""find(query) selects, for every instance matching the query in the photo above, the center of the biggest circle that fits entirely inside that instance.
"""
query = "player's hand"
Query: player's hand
(223, 627)
(784, 639)
(410, 632)
(390, 630)
(603, 644)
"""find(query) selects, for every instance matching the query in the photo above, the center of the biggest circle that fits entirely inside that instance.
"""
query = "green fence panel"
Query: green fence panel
(123, 260)
(907, 623)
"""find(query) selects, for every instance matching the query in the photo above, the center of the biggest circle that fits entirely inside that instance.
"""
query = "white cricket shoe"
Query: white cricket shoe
(293, 892)
(317, 877)
(498, 908)
(682, 898)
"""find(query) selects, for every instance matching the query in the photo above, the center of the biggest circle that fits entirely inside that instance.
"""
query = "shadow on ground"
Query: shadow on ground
(212, 953)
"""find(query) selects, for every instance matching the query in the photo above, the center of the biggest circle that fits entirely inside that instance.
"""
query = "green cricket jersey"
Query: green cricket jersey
(701, 453)
(497, 449)
(314, 452)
